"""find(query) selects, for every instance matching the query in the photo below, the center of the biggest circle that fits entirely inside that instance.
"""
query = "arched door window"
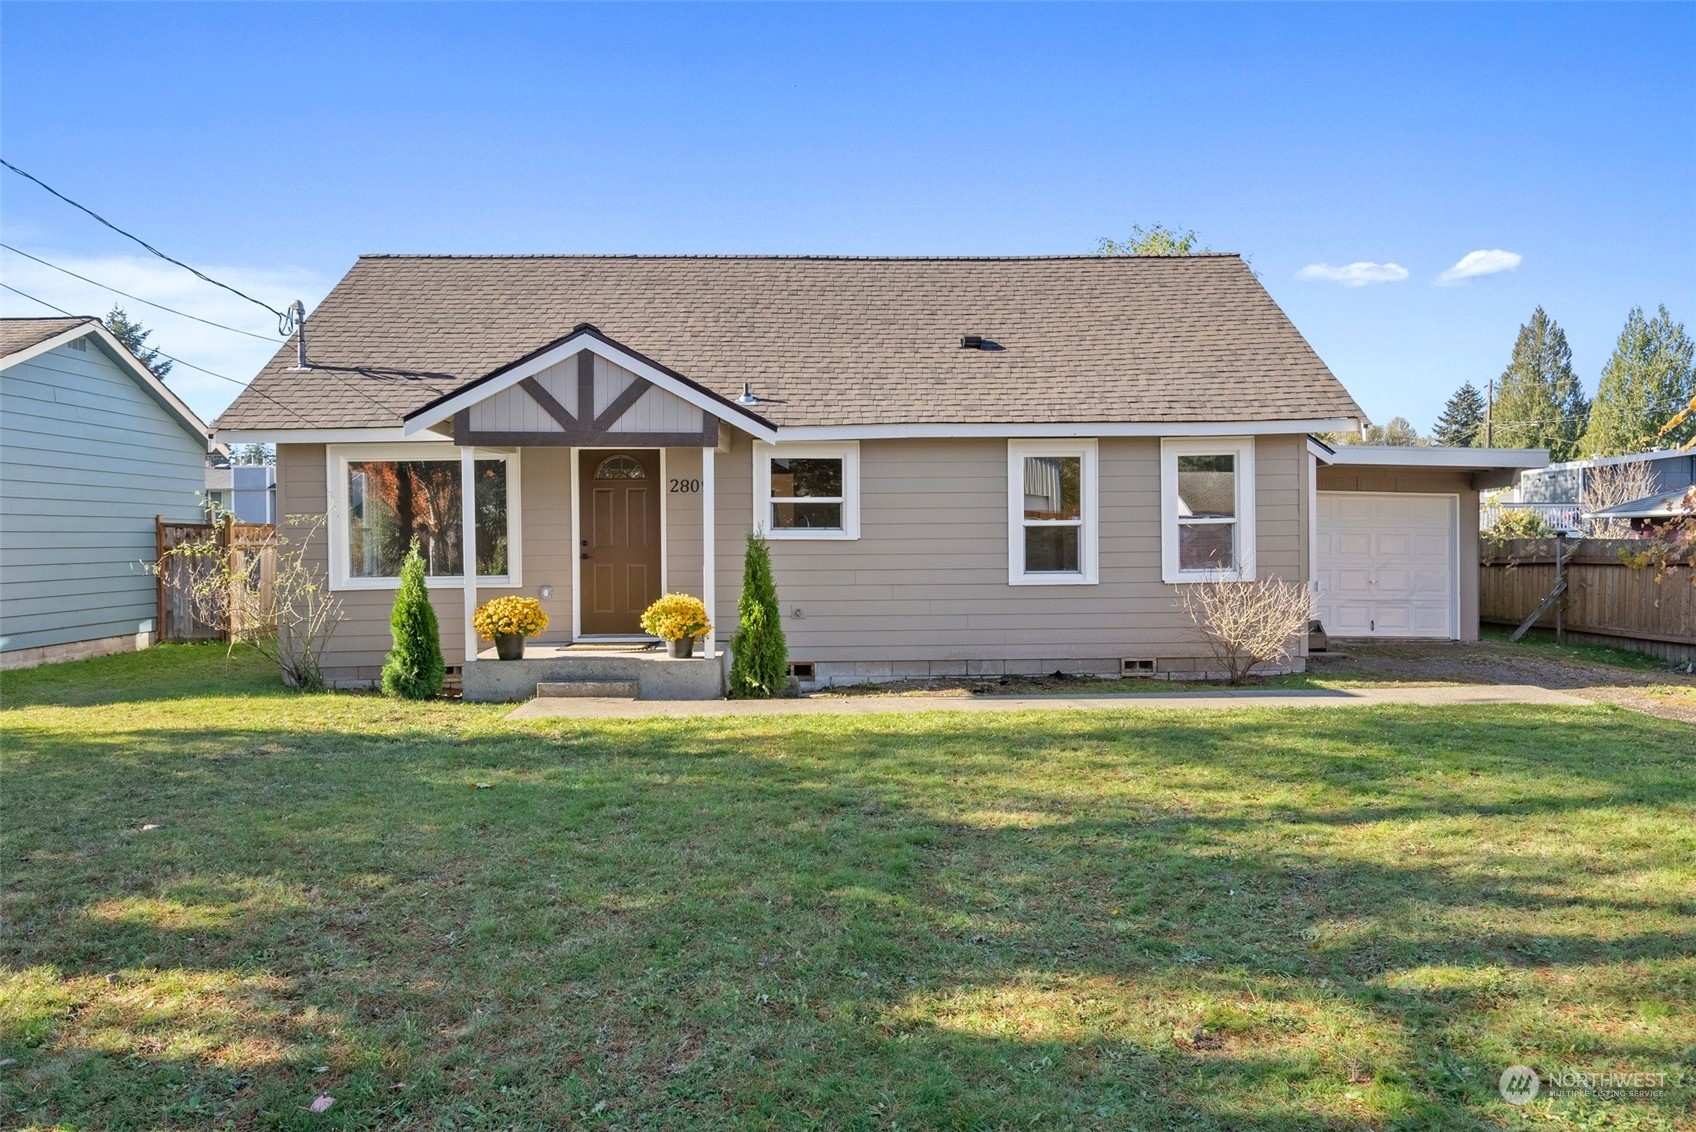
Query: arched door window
(621, 467)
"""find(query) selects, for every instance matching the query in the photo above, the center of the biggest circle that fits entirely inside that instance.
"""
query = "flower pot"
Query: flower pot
(680, 649)
(510, 646)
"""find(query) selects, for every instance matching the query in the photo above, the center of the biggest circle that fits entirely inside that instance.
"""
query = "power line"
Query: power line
(284, 321)
(135, 298)
(178, 361)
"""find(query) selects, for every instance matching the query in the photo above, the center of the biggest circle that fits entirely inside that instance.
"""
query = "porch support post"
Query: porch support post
(709, 549)
(468, 542)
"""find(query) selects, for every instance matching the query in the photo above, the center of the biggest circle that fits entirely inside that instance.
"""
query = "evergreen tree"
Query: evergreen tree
(1155, 240)
(1539, 402)
(134, 337)
(1462, 422)
(414, 669)
(759, 665)
(1651, 376)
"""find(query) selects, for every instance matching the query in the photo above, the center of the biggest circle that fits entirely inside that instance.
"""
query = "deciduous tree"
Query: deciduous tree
(1157, 239)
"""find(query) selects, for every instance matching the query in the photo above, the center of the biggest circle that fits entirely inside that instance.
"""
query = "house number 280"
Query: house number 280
(685, 487)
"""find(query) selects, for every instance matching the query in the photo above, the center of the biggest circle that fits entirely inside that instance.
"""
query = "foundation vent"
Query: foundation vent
(801, 669)
(1133, 667)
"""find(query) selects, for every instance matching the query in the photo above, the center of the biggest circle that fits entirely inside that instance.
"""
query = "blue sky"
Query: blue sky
(271, 145)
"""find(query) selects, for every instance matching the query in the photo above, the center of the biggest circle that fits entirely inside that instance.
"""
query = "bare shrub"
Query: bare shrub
(1609, 485)
(289, 622)
(1248, 623)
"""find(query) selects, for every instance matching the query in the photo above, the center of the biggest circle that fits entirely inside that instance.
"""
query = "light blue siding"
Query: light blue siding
(88, 457)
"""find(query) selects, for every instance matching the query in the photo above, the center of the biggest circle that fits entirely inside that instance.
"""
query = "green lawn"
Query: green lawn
(1117, 920)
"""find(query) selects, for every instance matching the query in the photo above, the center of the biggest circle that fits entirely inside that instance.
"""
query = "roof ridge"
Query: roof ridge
(794, 257)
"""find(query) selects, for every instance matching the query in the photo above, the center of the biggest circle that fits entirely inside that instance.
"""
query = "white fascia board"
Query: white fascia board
(1319, 450)
(309, 435)
(52, 343)
(647, 371)
(1472, 459)
(1059, 431)
(120, 354)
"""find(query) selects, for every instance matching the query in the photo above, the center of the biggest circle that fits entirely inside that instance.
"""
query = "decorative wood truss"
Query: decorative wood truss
(585, 391)
(609, 407)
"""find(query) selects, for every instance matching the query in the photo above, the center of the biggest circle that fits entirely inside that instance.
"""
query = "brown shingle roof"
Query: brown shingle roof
(831, 341)
(21, 333)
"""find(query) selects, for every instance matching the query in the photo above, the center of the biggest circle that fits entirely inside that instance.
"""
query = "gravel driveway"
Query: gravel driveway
(1667, 692)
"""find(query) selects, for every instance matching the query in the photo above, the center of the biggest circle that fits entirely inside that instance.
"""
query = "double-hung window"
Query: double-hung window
(807, 491)
(1207, 509)
(1051, 512)
(385, 497)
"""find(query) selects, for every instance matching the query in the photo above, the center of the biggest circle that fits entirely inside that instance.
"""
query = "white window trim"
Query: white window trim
(1240, 447)
(1089, 556)
(848, 452)
(336, 459)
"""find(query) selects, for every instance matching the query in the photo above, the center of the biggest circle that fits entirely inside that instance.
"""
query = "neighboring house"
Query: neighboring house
(93, 448)
(964, 466)
(1557, 492)
(247, 491)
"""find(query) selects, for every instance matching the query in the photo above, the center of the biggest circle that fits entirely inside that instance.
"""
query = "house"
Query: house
(246, 491)
(93, 448)
(964, 466)
(1564, 494)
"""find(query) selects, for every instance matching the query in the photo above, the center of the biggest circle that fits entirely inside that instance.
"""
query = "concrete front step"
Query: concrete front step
(653, 675)
(577, 689)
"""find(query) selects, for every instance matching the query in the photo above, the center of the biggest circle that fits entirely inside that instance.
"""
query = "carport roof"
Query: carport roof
(1446, 459)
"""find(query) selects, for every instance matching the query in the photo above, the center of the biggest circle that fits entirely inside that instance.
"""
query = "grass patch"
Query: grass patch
(1541, 642)
(1259, 919)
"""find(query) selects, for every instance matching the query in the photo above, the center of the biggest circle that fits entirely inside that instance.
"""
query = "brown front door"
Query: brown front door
(620, 528)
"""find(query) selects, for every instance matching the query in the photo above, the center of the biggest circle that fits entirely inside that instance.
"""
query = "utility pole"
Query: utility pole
(1489, 415)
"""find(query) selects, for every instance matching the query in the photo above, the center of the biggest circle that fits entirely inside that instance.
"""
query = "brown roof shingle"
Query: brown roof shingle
(831, 341)
(21, 333)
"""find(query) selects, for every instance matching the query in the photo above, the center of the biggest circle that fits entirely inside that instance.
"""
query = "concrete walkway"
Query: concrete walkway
(1445, 696)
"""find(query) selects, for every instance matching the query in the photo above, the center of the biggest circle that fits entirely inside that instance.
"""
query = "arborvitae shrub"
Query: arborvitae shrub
(414, 669)
(759, 666)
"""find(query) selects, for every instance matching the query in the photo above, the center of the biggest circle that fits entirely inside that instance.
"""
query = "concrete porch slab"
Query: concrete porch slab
(656, 676)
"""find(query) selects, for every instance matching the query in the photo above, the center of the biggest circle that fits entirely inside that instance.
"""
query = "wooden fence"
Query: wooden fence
(250, 549)
(1606, 601)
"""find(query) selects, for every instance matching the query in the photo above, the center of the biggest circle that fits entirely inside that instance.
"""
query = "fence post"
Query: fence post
(227, 543)
(158, 578)
(1560, 573)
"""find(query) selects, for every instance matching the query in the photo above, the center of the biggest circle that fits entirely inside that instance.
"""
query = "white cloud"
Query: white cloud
(1354, 274)
(232, 355)
(1482, 262)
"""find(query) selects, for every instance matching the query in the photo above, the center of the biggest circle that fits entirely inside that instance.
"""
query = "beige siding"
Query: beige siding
(683, 524)
(550, 559)
(927, 579)
(361, 640)
(1431, 481)
(923, 589)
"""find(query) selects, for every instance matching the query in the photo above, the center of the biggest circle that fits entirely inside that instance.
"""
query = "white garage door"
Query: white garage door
(1386, 565)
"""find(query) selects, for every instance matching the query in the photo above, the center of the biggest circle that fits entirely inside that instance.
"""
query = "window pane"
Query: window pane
(491, 518)
(1207, 486)
(795, 478)
(1207, 546)
(1051, 550)
(806, 516)
(392, 502)
(1053, 486)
